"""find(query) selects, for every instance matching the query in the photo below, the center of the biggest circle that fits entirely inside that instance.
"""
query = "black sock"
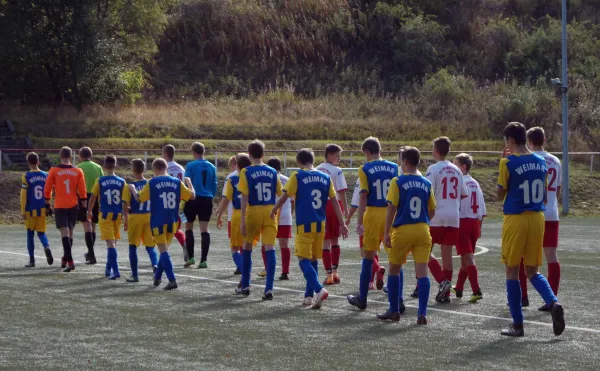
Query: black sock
(205, 241)
(89, 242)
(93, 237)
(66, 242)
(189, 243)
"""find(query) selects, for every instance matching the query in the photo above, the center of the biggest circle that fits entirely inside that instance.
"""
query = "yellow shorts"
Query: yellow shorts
(36, 223)
(374, 224)
(309, 245)
(410, 238)
(139, 231)
(523, 237)
(110, 229)
(164, 235)
(258, 221)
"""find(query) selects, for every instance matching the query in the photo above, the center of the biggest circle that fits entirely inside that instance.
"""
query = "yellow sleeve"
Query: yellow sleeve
(503, 174)
(243, 184)
(145, 193)
(431, 205)
(279, 190)
(332, 192)
(291, 187)
(185, 192)
(126, 194)
(228, 190)
(23, 196)
(364, 182)
(393, 195)
(96, 188)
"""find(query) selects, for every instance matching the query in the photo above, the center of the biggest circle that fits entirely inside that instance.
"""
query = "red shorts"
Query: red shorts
(444, 235)
(229, 229)
(468, 233)
(284, 231)
(332, 224)
(551, 234)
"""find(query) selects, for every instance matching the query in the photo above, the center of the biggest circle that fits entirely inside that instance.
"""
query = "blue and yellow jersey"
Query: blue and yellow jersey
(204, 177)
(135, 206)
(32, 193)
(164, 193)
(523, 177)
(110, 190)
(261, 184)
(375, 178)
(413, 195)
(232, 193)
(311, 189)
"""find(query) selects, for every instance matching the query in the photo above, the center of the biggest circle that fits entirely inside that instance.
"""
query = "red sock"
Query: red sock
(472, 273)
(462, 277)
(335, 256)
(523, 280)
(374, 267)
(285, 260)
(436, 270)
(448, 275)
(264, 256)
(327, 261)
(180, 237)
(554, 276)
(360, 241)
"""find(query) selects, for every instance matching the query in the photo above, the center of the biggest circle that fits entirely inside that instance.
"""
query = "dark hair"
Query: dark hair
(332, 149)
(371, 145)
(537, 136)
(159, 164)
(169, 150)
(110, 162)
(243, 160)
(138, 166)
(275, 163)
(410, 154)
(305, 156)
(33, 158)
(66, 152)
(85, 152)
(465, 159)
(198, 148)
(517, 131)
(256, 149)
(442, 145)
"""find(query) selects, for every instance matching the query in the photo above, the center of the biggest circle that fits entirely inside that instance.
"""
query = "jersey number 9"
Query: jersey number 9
(415, 207)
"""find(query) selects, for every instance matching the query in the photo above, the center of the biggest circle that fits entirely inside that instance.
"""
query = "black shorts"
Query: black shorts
(66, 218)
(82, 217)
(200, 207)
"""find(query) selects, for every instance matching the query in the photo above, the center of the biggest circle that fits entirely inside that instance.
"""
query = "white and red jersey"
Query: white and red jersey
(230, 206)
(448, 188)
(336, 174)
(554, 183)
(472, 206)
(285, 215)
(175, 170)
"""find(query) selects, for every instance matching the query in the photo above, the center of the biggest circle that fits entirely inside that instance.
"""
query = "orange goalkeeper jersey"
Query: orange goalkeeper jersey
(68, 183)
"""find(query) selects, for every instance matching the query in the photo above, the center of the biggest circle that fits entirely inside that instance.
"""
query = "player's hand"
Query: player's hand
(360, 229)
(219, 223)
(273, 213)
(505, 152)
(49, 211)
(348, 221)
(132, 188)
(89, 215)
(125, 225)
(243, 228)
(387, 241)
(344, 231)
(24, 216)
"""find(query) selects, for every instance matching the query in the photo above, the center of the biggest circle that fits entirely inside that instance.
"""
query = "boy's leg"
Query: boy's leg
(335, 258)
(189, 240)
(30, 248)
(462, 278)
(152, 255)
(205, 243)
(246, 265)
(270, 267)
(327, 263)
(285, 256)
(237, 258)
(523, 282)
(133, 262)
(114, 266)
(44, 240)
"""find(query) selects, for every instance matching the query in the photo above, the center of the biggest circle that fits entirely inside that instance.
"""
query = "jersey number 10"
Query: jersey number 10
(534, 193)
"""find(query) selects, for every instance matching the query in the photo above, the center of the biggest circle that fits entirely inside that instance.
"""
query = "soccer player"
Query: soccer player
(164, 193)
(375, 178)
(472, 212)
(136, 217)
(230, 210)
(68, 184)
(232, 196)
(91, 172)
(448, 187)
(111, 191)
(203, 175)
(331, 247)
(311, 190)
(284, 223)
(536, 139)
(411, 203)
(259, 185)
(33, 208)
(176, 171)
(521, 184)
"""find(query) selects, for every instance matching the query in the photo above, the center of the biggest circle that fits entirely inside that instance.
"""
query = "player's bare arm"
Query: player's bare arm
(362, 206)
(284, 197)
(338, 212)
(134, 192)
(92, 200)
(389, 219)
(244, 207)
(190, 186)
(431, 213)
(222, 206)
(500, 193)
(341, 195)
(125, 215)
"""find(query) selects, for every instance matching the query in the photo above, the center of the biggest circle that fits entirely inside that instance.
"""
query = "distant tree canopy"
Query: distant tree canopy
(86, 51)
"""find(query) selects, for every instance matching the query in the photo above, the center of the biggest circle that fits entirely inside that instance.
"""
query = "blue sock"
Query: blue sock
(152, 255)
(237, 259)
(133, 260)
(310, 275)
(107, 270)
(43, 239)
(315, 265)
(400, 286)
(246, 268)
(167, 265)
(114, 265)
(159, 270)
(365, 278)
(543, 287)
(271, 265)
(30, 244)
(424, 287)
(393, 291)
(513, 294)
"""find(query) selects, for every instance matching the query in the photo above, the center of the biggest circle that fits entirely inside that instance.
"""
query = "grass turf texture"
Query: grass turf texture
(52, 319)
